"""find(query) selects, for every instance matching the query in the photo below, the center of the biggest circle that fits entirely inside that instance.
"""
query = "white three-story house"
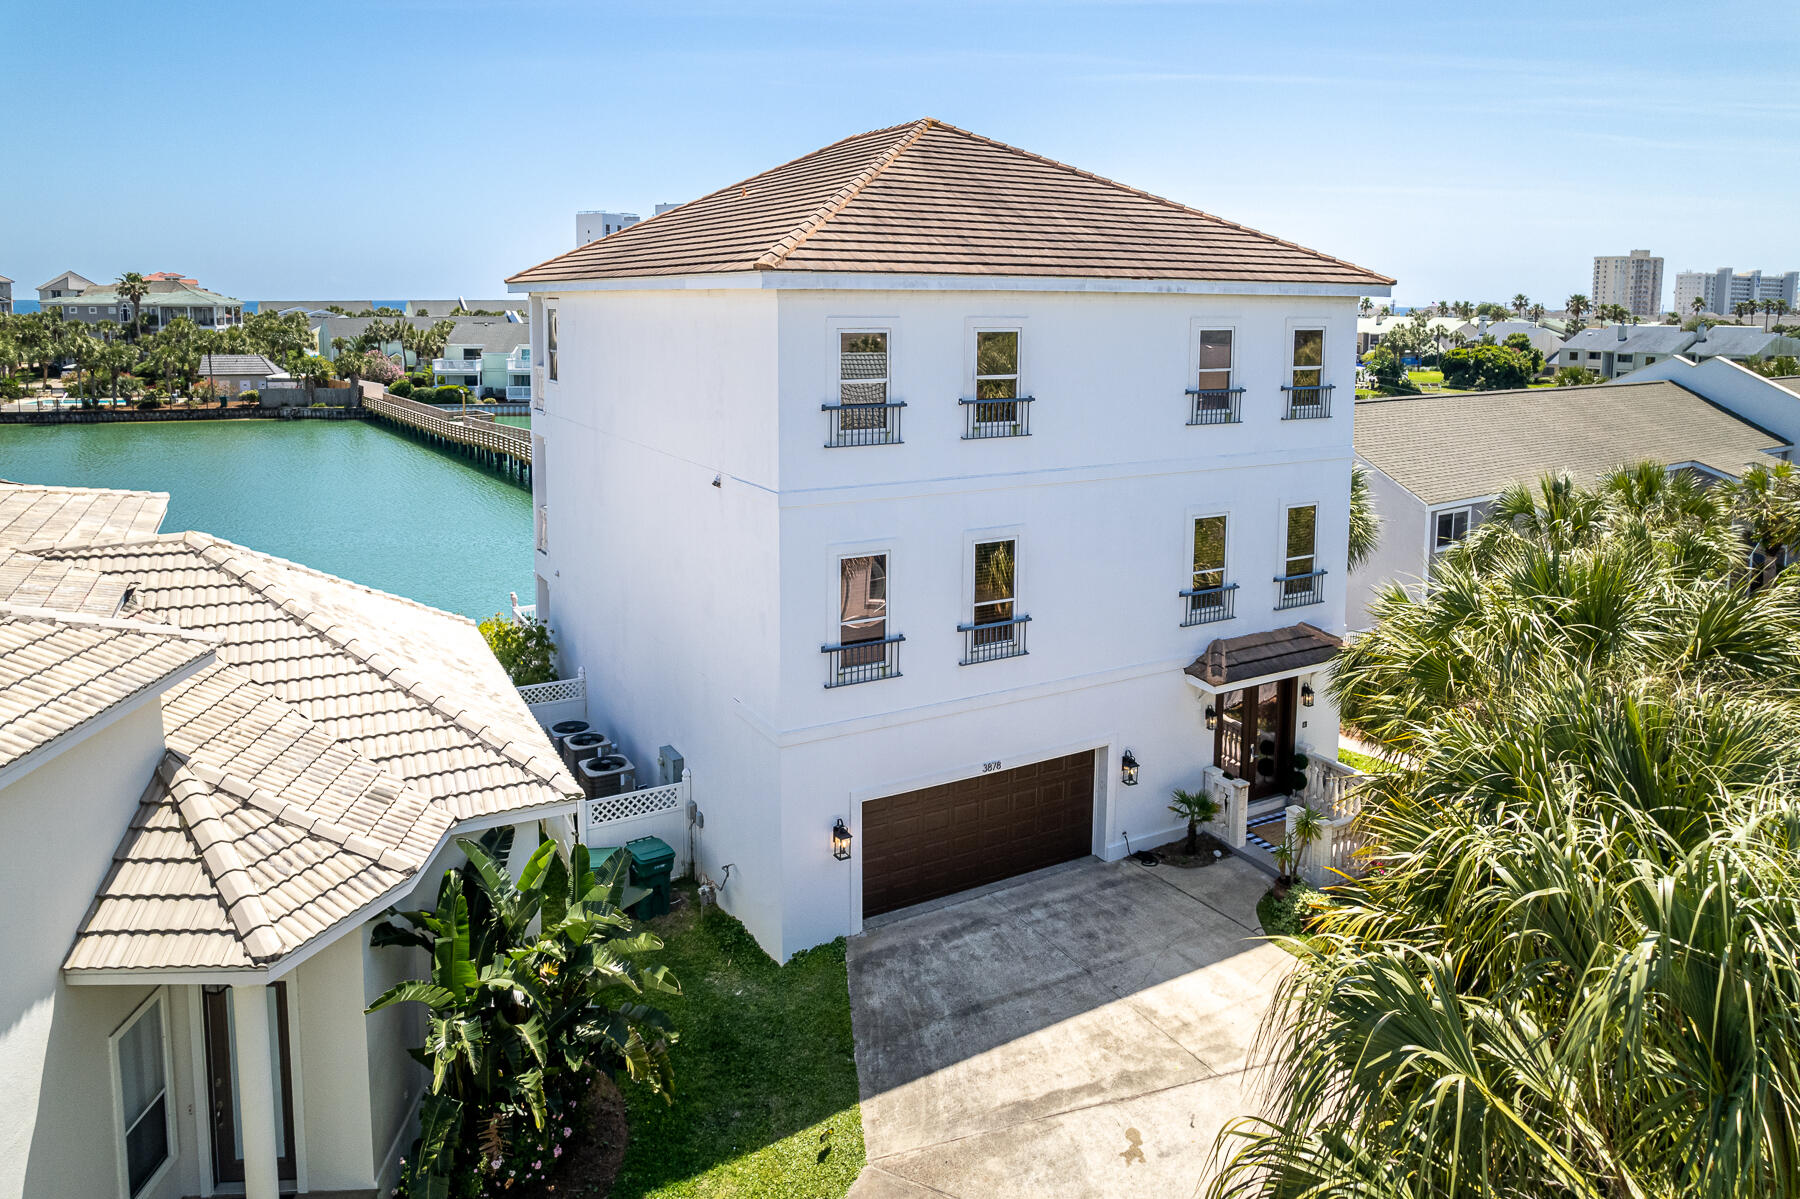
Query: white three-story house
(950, 494)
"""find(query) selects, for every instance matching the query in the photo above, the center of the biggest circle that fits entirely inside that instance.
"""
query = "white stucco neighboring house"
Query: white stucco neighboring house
(947, 506)
(1618, 350)
(1438, 462)
(216, 769)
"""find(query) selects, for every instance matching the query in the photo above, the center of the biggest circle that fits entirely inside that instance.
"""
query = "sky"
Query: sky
(389, 149)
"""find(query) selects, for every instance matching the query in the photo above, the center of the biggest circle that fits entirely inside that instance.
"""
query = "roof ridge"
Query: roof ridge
(202, 541)
(123, 624)
(219, 858)
(717, 191)
(301, 817)
(773, 257)
(377, 661)
(1136, 191)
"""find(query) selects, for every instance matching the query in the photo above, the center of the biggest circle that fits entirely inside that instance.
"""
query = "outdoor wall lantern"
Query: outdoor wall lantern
(1212, 717)
(1128, 769)
(1306, 695)
(840, 841)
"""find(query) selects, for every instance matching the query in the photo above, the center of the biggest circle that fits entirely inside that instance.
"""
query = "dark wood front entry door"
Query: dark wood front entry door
(221, 1082)
(1255, 735)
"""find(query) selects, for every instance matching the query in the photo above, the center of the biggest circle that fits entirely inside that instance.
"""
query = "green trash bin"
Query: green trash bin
(652, 862)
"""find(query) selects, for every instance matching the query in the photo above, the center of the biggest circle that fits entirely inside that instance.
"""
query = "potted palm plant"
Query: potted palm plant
(1198, 808)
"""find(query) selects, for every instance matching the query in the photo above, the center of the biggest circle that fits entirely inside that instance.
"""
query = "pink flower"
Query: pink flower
(568, 1131)
(537, 1165)
(557, 1152)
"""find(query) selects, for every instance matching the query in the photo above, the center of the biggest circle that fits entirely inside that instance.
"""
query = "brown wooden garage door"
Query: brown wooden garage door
(948, 838)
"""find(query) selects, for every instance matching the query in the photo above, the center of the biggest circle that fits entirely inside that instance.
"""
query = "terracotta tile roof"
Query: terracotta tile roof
(1448, 446)
(1231, 660)
(929, 198)
(27, 581)
(411, 689)
(39, 517)
(58, 671)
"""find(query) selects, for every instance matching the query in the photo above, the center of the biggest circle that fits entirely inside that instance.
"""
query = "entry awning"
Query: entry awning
(1231, 662)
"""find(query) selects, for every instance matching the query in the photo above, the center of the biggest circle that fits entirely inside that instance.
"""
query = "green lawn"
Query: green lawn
(1362, 762)
(1423, 377)
(765, 1073)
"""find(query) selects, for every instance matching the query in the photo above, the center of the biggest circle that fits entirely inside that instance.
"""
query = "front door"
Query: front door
(1254, 739)
(221, 1077)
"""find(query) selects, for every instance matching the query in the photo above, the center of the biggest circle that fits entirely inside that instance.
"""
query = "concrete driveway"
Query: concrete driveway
(1082, 1032)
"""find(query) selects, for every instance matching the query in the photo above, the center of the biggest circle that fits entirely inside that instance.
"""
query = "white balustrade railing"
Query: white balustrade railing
(1335, 792)
(1233, 797)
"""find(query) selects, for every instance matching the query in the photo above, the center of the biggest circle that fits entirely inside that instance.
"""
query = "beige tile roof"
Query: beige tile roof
(58, 671)
(312, 771)
(27, 581)
(1448, 447)
(411, 689)
(33, 517)
(216, 872)
(929, 198)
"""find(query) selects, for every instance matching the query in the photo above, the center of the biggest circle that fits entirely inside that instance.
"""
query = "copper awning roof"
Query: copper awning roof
(1231, 660)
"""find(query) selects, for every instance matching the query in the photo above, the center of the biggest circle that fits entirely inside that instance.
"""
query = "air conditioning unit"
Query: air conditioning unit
(579, 747)
(606, 775)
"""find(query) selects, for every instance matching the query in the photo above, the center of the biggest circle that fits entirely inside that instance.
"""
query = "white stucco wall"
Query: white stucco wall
(332, 1054)
(698, 612)
(1399, 557)
(63, 821)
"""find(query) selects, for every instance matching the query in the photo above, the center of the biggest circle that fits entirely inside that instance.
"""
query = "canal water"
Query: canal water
(347, 497)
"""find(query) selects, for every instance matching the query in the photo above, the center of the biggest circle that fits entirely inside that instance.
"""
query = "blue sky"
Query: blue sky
(399, 148)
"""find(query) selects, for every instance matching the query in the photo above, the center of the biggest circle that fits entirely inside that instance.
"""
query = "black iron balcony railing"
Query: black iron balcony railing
(862, 424)
(996, 418)
(1297, 591)
(1203, 605)
(863, 661)
(1308, 403)
(1214, 406)
(989, 642)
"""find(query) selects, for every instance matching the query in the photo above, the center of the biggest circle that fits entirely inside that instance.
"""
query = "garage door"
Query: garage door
(948, 838)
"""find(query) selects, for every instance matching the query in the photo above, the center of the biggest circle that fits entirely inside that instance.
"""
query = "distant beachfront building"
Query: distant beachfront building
(592, 226)
(5, 296)
(166, 299)
(1721, 291)
(66, 284)
(1634, 280)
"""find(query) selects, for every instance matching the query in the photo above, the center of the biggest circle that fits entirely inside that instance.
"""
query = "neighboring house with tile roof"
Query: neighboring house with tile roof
(6, 297)
(1439, 461)
(890, 414)
(232, 373)
(216, 769)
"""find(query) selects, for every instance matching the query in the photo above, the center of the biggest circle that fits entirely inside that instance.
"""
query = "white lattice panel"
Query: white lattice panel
(633, 803)
(555, 692)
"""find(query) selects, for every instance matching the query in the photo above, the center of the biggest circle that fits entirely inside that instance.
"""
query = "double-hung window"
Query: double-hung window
(1301, 582)
(863, 414)
(141, 1065)
(995, 629)
(998, 409)
(1215, 399)
(1452, 527)
(1307, 393)
(1208, 597)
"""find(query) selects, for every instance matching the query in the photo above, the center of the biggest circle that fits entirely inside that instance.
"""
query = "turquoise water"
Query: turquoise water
(345, 497)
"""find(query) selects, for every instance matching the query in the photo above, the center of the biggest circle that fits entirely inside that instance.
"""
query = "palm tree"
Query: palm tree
(1365, 522)
(1537, 313)
(1576, 305)
(1520, 302)
(1366, 306)
(1573, 973)
(1698, 304)
(1768, 308)
(132, 288)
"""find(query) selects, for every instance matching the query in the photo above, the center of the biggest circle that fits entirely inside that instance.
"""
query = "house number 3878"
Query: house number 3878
(989, 767)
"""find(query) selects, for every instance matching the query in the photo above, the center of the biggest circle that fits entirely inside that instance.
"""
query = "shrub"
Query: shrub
(1577, 376)
(1486, 368)
(400, 387)
(535, 986)
(149, 402)
(523, 647)
(250, 396)
(1292, 914)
